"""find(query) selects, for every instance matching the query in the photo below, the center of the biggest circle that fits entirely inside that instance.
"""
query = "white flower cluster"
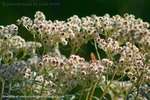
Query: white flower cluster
(11, 43)
(74, 65)
(132, 29)
(131, 59)
(81, 30)
(66, 72)
(109, 45)
(8, 30)
(125, 41)
(126, 28)
(59, 31)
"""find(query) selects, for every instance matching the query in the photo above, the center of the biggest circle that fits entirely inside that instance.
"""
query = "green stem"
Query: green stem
(74, 50)
(33, 84)
(105, 90)
(2, 87)
(93, 90)
(57, 49)
(96, 50)
(43, 81)
(133, 85)
(131, 88)
(10, 86)
(82, 91)
(138, 85)
(88, 94)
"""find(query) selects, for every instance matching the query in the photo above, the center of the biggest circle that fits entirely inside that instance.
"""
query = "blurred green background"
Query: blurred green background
(11, 10)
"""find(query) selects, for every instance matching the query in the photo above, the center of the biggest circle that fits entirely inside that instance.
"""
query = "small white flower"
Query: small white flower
(39, 78)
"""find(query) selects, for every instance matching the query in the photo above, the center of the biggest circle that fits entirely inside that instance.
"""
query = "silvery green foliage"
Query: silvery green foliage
(125, 40)
(9, 72)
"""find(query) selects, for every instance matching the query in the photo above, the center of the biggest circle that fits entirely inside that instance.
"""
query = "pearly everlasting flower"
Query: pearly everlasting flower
(107, 62)
(17, 42)
(44, 70)
(27, 73)
(39, 15)
(66, 72)
(39, 78)
(8, 30)
(109, 45)
(26, 22)
(97, 67)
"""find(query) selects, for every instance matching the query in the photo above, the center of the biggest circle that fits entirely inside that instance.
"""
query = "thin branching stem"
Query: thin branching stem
(2, 87)
(107, 86)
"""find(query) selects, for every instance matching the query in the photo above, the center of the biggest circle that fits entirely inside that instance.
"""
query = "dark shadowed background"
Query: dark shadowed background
(11, 10)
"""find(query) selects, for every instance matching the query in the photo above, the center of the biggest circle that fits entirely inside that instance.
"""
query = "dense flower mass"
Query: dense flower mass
(71, 71)
(43, 69)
